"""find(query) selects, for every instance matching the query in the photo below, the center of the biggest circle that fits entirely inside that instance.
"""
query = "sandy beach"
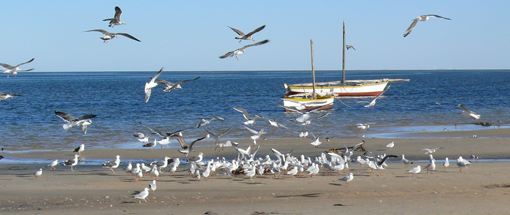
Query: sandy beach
(482, 188)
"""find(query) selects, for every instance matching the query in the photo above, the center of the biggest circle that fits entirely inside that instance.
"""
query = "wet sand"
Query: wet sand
(482, 188)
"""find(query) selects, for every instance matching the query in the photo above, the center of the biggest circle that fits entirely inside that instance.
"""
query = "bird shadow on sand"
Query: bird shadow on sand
(335, 184)
(252, 183)
(306, 195)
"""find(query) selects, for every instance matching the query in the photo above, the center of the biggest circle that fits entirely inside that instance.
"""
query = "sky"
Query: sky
(191, 35)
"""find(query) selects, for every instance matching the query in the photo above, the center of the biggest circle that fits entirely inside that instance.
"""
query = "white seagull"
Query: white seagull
(108, 36)
(241, 50)
(469, 113)
(205, 122)
(143, 138)
(80, 149)
(53, 164)
(151, 84)
(170, 86)
(250, 120)
(446, 164)
(347, 178)
(415, 171)
(112, 164)
(71, 162)
(390, 145)
(462, 163)
(153, 186)
(4, 96)
(37, 173)
(243, 36)
(421, 18)
(142, 195)
(14, 69)
(82, 121)
(116, 18)
(430, 151)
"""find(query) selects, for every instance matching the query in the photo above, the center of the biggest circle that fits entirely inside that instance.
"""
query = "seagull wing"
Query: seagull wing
(464, 108)
(139, 135)
(156, 76)
(181, 141)
(237, 31)
(65, 116)
(251, 130)
(386, 158)
(411, 27)
(25, 62)
(184, 81)
(242, 110)
(192, 143)
(228, 54)
(437, 16)
(129, 36)
(322, 116)
(256, 44)
(158, 132)
(159, 81)
(7, 66)
(118, 13)
(256, 30)
(87, 116)
(101, 31)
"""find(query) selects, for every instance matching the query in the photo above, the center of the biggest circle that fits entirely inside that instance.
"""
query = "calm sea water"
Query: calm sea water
(28, 122)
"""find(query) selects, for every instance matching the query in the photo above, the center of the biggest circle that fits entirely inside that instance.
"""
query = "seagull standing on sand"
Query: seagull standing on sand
(469, 113)
(142, 195)
(243, 36)
(405, 161)
(14, 69)
(152, 144)
(116, 18)
(71, 162)
(421, 18)
(151, 84)
(316, 142)
(112, 164)
(446, 164)
(347, 178)
(241, 50)
(108, 36)
(462, 163)
(390, 145)
(415, 171)
(37, 173)
(83, 121)
(80, 149)
(170, 86)
(153, 186)
(53, 164)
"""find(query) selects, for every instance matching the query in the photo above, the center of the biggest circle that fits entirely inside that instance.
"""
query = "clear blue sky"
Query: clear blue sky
(191, 35)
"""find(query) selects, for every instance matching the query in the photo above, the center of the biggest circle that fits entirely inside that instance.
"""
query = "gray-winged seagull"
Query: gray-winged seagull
(241, 50)
(116, 18)
(243, 36)
(108, 36)
(14, 69)
(421, 18)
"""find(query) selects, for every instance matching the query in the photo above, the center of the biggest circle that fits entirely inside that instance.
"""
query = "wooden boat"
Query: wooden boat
(344, 88)
(311, 100)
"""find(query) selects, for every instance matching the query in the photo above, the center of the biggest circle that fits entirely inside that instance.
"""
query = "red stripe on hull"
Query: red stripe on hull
(325, 107)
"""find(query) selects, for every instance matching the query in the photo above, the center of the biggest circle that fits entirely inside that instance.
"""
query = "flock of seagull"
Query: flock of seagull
(246, 162)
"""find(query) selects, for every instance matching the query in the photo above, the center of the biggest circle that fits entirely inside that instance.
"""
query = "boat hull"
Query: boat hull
(365, 90)
(308, 104)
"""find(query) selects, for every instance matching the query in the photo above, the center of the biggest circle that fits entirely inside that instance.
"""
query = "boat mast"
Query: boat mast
(343, 58)
(313, 71)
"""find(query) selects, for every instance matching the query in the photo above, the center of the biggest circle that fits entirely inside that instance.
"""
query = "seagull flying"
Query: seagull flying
(243, 36)
(14, 69)
(108, 36)
(150, 85)
(430, 151)
(469, 113)
(421, 18)
(350, 47)
(71, 121)
(241, 50)
(4, 96)
(116, 18)
(170, 86)
(185, 149)
(251, 120)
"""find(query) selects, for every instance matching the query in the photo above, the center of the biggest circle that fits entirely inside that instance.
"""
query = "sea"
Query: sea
(429, 101)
